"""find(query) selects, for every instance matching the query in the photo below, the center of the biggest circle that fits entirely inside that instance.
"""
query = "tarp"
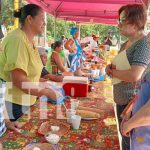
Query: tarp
(93, 11)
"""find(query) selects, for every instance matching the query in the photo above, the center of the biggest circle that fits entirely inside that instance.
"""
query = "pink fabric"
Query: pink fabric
(97, 11)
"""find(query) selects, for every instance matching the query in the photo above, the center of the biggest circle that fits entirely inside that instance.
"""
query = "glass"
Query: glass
(74, 104)
(69, 113)
(76, 120)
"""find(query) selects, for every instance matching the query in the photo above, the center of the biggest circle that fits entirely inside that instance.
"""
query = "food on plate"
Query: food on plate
(54, 126)
(38, 146)
(89, 109)
(87, 114)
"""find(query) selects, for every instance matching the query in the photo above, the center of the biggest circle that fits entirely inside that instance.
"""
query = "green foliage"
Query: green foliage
(99, 29)
(7, 11)
(62, 28)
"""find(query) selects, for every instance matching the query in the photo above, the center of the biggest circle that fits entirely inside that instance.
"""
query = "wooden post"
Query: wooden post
(45, 29)
(16, 20)
(55, 27)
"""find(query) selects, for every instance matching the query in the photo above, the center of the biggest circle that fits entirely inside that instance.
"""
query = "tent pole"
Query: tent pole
(45, 29)
(119, 45)
(54, 27)
(65, 27)
(79, 32)
(16, 20)
(0, 11)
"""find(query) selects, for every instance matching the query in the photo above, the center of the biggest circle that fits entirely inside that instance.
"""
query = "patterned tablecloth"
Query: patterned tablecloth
(98, 134)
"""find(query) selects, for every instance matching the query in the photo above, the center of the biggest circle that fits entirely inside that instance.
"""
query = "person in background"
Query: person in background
(20, 63)
(108, 39)
(45, 74)
(4, 29)
(75, 48)
(1, 33)
(73, 45)
(57, 62)
(131, 17)
(87, 39)
(62, 53)
(94, 43)
(70, 45)
(63, 39)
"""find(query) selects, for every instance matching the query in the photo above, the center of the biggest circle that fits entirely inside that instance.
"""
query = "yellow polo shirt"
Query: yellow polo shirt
(17, 52)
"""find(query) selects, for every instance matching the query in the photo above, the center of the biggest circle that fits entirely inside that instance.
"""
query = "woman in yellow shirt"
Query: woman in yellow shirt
(20, 63)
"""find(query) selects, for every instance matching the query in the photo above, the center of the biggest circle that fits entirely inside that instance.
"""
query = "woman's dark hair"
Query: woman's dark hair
(135, 14)
(30, 9)
(56, 44)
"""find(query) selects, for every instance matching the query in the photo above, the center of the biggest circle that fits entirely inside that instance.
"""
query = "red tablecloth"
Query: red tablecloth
(92, 135)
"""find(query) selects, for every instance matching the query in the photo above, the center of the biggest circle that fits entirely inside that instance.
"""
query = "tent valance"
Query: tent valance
(98, 11)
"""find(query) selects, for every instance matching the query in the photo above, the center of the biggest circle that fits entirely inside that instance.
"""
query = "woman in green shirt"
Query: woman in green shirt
(20, 63)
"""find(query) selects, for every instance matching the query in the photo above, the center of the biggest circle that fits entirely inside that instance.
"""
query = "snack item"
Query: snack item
(96, 110)
(67, 73)
(62, 128)
(38, 146)
(87, 114)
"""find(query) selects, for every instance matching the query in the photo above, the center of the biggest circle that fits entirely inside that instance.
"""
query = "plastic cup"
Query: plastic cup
(76, 120)
(74, 104)
(69, 114)
(94, 72)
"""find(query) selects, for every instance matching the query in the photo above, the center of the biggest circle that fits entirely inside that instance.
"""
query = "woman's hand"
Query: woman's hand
(49, 93)
(43, 80)
(109, 69)
(15, 126)
(125, 126)
(43, 85)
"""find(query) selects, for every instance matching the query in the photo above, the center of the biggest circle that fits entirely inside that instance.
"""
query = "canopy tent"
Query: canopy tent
(97, 11)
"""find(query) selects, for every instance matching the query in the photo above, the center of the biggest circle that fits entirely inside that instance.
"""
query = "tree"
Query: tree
(62, 27)
(7, 11)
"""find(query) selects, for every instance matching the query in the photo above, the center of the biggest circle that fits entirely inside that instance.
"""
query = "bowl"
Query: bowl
(52, 138)
(55, 129)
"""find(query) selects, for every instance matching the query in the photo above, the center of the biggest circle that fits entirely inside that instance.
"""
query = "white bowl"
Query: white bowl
(55, 128)
(52, 138)
(36, 148)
